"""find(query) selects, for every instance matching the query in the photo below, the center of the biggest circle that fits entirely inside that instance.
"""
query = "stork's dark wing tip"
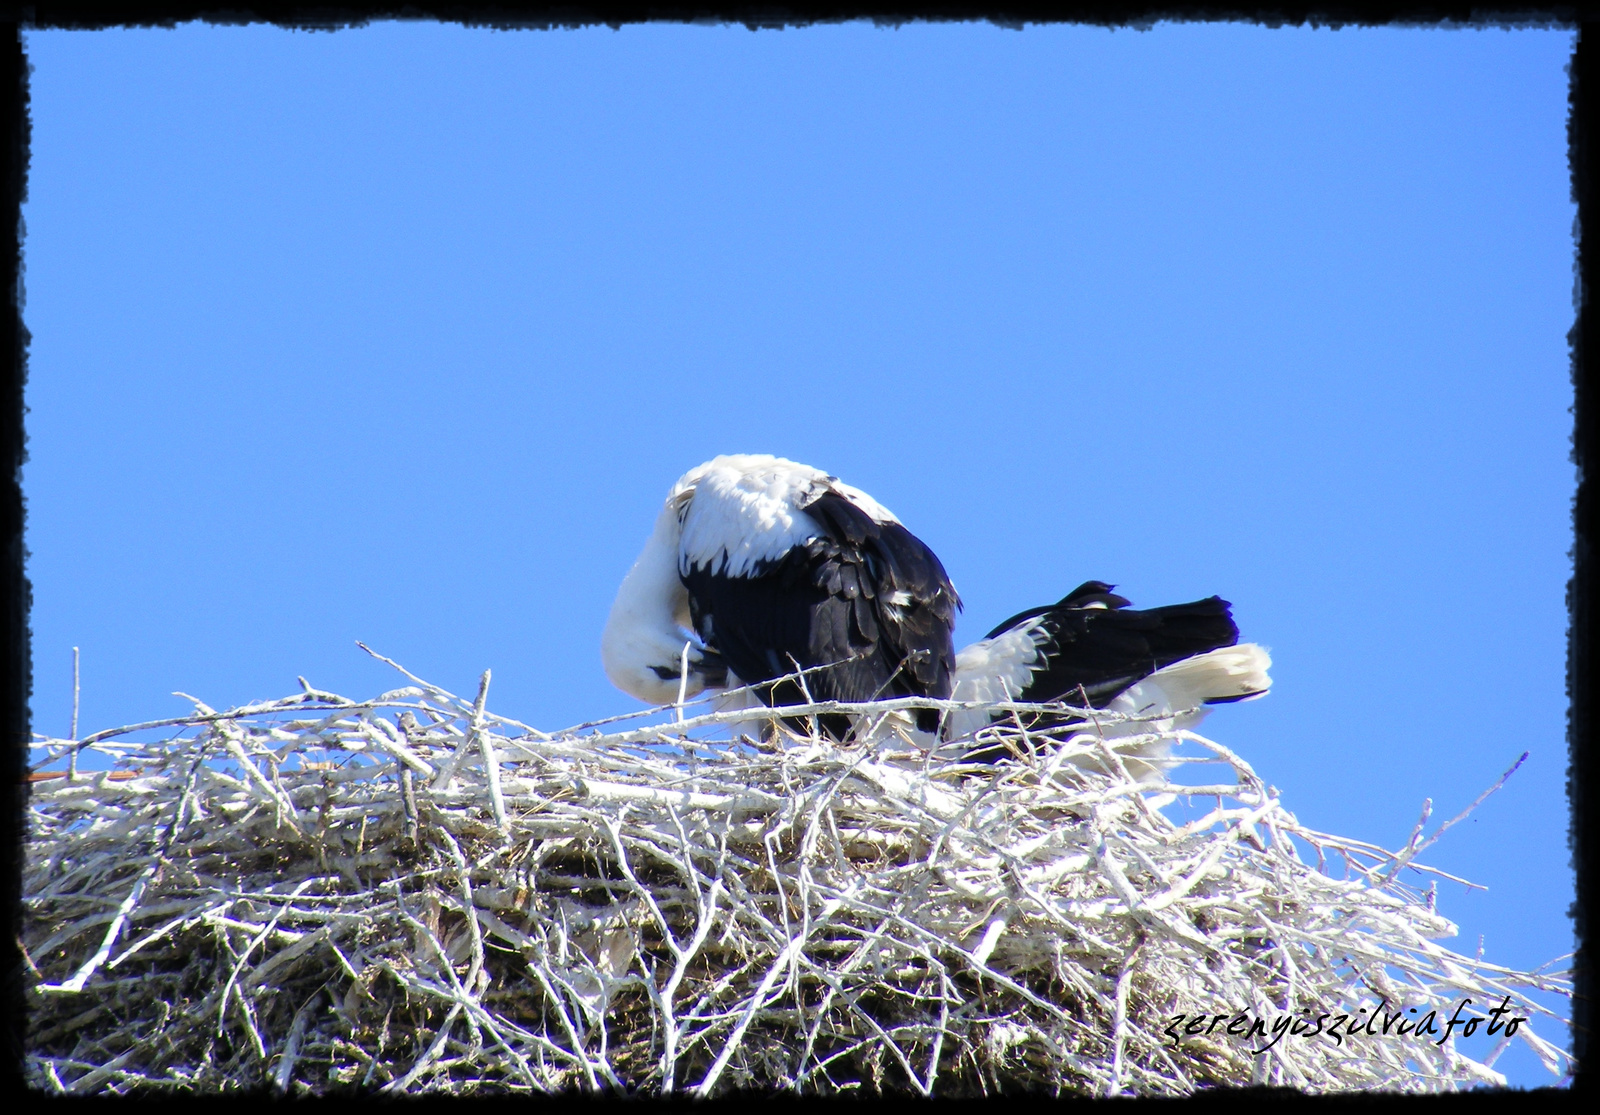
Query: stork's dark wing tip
(1091, 593)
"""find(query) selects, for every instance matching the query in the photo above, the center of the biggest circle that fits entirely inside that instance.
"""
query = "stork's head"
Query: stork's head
(643, 643)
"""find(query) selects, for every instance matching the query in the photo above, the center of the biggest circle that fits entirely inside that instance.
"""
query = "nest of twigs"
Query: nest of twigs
(413, 894)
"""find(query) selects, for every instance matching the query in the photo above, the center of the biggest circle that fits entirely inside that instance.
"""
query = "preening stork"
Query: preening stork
(777, 567)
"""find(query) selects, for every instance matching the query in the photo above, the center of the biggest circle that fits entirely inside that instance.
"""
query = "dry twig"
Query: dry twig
(282, 900)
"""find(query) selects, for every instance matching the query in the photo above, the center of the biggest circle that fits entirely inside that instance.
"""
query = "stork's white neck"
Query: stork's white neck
(648, 619)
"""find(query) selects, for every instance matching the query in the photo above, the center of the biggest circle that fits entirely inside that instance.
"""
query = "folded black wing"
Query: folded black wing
(866, 601)
(1097, 652)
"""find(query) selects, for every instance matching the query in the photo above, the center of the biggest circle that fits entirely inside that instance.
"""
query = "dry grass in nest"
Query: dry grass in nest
(413, 894)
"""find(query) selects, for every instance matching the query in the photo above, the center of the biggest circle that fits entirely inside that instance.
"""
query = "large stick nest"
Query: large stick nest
(411, 893)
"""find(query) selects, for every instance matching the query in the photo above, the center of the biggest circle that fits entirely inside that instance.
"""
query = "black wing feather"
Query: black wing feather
(1085, 595)
(1102, 651)
(1093, 653)
(830, 603)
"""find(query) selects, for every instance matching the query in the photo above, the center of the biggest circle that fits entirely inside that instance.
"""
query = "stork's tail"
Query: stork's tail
(1235, 673)
(1175, 698)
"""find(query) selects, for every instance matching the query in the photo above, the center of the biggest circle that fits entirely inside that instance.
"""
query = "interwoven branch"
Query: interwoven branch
(411, 893)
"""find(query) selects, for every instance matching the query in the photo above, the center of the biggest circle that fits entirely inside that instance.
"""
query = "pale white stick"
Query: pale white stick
(683, 679)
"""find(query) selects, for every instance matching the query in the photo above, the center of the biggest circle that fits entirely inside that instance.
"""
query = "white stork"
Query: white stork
(1163, 666)
(777, 567)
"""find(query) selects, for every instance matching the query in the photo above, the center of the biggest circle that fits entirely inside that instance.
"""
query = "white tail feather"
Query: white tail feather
(1226, 674)
(1174, 698)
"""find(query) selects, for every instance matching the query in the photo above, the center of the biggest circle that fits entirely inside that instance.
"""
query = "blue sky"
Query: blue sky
(401, 334)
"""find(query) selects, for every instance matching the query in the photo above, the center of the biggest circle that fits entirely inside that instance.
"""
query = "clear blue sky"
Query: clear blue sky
(400, 334)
